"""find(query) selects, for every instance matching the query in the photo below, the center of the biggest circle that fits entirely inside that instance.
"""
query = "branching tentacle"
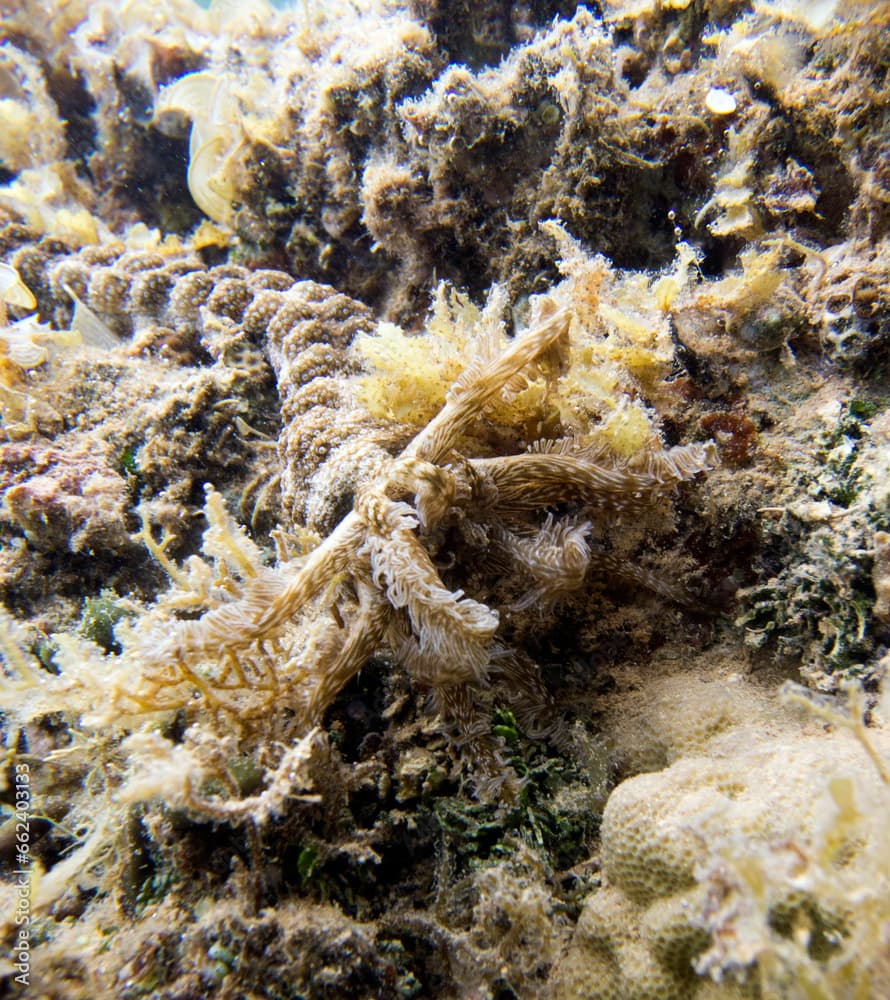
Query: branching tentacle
(481, 383)
(534, 479)
(556, 558)
(457, 705)
(519, 679)
(453, 632)
(364, 635)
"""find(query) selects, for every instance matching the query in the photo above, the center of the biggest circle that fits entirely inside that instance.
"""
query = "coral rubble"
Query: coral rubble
(444, 498)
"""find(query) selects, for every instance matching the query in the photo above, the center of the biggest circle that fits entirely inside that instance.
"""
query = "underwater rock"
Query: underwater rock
(64, 499)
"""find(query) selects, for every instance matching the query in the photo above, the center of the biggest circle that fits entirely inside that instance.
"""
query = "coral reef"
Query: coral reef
(372, 566)
(757, 857)
(432, 437)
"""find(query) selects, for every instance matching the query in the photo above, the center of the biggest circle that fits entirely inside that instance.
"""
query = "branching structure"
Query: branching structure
(394, 528)
(375, 579)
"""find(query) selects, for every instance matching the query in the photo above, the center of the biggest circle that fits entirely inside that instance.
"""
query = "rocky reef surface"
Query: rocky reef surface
(445, 499)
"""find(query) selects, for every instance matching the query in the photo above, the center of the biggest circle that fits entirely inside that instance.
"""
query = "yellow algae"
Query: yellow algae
(628, 431)
(414, 373)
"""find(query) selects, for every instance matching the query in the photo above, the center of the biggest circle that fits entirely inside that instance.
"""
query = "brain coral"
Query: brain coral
(756, 859)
